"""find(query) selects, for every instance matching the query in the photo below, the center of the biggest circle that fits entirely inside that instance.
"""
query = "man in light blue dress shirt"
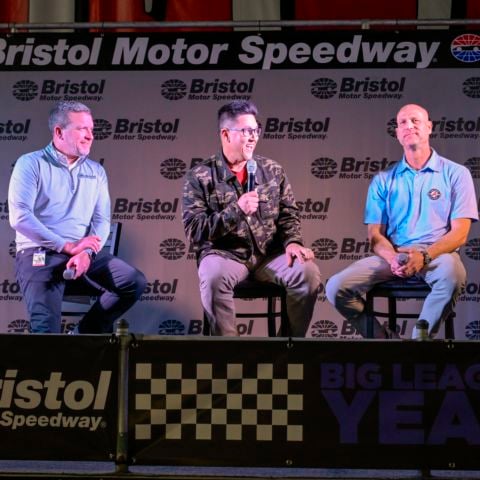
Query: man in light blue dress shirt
(422, 206)
(59, 206)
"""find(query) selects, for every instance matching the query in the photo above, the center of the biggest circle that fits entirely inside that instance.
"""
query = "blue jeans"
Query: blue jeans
(119, 284)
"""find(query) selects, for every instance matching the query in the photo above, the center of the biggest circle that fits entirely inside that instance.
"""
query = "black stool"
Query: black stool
(79, 294)
(253, 289)
(393, 290)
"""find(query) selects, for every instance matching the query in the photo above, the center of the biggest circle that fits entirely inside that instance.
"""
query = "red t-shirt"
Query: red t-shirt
(241, 175)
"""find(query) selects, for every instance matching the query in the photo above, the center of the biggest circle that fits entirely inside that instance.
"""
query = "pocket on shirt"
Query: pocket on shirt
(269, 201)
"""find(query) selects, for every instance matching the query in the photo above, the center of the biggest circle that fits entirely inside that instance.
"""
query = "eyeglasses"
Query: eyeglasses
(247, 131)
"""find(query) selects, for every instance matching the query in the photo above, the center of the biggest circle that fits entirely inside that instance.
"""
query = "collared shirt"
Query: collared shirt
(418, 206)
(49, 204)
(214, 222)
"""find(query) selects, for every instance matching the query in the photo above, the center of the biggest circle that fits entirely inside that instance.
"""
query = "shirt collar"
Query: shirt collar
(433, 164)
(60, 157)
(223, 164)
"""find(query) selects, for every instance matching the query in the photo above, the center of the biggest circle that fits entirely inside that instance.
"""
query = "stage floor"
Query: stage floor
(106, 470)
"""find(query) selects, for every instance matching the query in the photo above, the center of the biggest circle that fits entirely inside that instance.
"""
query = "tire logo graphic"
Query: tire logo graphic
(473, 164)
(12, 249)
(472, 249)
(18, 326)
(171, 327)
(102, 129)
(324, 329)
(324, 168)
(324, 249)
(472, 330)
(392, 128)
(173, 89)
(25, 90)
(324, 88)
(471, 87)
(173, 168)
(172, 249)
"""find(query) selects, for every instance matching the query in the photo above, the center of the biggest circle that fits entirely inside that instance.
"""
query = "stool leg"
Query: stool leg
(392, 314)
(284, 322)
(272, 330)
(206, 326)
(369, 314)
(450, 326)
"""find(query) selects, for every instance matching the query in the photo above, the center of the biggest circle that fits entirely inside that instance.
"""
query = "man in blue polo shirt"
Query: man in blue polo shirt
(422, 206)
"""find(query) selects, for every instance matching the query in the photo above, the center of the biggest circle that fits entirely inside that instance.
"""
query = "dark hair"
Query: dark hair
(232, 110)
(59, 113)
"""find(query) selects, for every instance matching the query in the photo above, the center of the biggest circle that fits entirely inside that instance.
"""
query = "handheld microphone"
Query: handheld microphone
(402, 258)
(69, 274)
(251, 169)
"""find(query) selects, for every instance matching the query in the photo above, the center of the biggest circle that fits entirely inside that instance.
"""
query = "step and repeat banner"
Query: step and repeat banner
(327, 104)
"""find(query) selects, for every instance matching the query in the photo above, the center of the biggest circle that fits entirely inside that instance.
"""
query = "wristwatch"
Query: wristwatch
(90, 253)
(426, 258)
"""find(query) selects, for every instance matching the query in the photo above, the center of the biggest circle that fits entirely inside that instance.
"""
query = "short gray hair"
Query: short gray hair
(59, 113)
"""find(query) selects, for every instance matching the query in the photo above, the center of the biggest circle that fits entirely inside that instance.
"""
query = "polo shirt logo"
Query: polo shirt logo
(83, 175)
(434, 194)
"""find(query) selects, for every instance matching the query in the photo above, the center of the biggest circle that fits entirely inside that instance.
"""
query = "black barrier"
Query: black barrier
(241, 402)
(308, 403)
(58, 397)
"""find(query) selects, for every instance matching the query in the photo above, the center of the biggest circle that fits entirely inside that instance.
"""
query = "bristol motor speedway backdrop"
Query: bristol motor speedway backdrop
(327, 104)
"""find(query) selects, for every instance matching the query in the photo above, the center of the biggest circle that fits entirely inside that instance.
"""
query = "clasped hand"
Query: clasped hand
(296, 251)
(413, 265)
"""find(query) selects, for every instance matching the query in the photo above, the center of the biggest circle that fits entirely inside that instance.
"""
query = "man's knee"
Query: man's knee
(312, 276)
(215, 276)
(140, 282)
(332, 288)
(452, 275)
(215, 282)
(132, 282)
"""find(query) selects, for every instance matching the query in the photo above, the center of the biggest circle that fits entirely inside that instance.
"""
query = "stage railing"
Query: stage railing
(364, 24)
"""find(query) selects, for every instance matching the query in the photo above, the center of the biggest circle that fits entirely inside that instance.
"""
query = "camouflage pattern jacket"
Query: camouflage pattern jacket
(214, 223)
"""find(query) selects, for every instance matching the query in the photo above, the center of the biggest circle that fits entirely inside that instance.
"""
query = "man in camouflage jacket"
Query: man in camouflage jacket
(237, 233)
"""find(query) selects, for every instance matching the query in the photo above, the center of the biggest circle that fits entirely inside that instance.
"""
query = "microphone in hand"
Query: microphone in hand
(69, 273)
(402, 258)
(251, 169)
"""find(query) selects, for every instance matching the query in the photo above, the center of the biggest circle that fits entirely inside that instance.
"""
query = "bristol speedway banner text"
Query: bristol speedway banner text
(235, 50)
(58, 397)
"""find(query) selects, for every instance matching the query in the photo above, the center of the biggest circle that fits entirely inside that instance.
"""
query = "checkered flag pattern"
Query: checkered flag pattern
(226, 402)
